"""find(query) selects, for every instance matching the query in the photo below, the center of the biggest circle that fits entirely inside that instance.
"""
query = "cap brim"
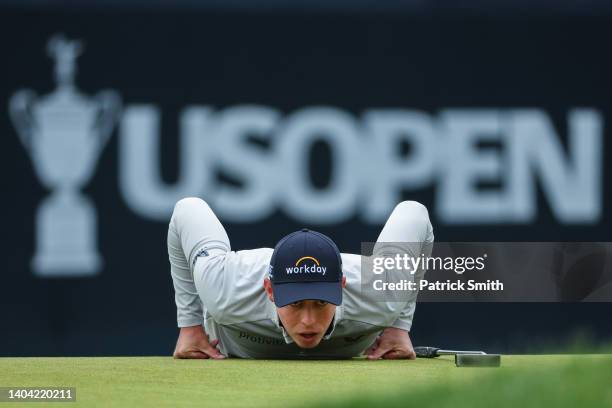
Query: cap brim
(287, 293)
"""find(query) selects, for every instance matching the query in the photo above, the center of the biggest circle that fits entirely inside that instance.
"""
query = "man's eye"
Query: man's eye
(321, 303)
(296, 304)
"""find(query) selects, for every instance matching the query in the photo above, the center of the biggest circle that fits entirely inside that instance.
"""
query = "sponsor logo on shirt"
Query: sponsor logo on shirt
(260, 339)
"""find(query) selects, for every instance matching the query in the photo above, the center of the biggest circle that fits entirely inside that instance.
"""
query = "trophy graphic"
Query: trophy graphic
(64, 133)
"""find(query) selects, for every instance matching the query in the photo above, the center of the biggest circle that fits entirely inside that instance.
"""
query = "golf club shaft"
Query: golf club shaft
(453, 352)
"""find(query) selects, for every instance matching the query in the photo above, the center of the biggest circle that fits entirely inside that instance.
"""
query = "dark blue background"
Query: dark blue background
(288, 60)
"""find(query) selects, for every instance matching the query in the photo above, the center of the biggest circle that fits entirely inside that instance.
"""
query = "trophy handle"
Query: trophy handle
(20, 110)
(109, 104)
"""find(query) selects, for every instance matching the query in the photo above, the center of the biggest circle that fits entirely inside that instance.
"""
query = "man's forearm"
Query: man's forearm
(188, 305)
(189, 311)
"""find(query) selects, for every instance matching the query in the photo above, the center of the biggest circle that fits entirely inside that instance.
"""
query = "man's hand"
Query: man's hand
(193, 343)
(391, 344)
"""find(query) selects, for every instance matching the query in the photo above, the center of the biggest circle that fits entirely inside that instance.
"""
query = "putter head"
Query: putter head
(477, 360)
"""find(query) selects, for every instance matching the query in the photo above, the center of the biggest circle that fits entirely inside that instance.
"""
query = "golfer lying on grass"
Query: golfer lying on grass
(301, 300)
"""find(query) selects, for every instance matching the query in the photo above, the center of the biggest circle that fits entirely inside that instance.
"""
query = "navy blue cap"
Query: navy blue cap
(306, 265)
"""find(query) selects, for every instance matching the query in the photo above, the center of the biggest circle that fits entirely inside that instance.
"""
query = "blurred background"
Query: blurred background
(283, 115)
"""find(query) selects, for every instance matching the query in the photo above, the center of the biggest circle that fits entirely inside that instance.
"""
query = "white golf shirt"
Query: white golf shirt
(223, 289)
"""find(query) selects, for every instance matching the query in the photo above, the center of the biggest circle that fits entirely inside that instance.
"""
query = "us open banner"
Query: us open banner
(65, 131)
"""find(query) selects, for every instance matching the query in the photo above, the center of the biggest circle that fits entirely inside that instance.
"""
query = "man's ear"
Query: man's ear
(268, 288)
(344, 281)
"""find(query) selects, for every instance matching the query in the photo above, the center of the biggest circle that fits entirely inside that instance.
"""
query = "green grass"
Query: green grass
(522, 381)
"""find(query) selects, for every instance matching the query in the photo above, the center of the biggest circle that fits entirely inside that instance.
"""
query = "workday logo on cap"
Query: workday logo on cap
(298, 268)
(306, 265)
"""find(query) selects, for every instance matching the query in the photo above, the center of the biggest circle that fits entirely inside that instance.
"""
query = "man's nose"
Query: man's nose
(308, 316)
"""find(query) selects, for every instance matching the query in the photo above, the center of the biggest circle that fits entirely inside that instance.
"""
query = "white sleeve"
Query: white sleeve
(409, 223)
(188, 305)
(404, 320)
(193, 226)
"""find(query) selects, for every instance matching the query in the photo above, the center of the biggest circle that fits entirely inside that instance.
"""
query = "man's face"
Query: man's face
(307, 321)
